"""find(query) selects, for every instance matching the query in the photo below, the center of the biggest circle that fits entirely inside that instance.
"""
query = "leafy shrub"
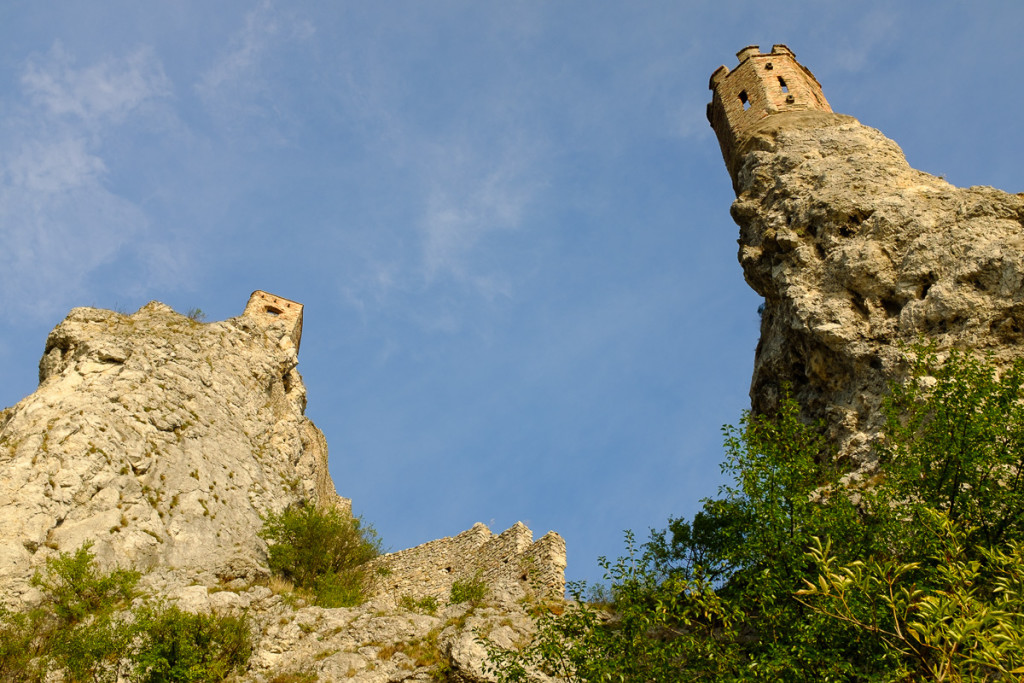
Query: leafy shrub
(640, 643)
(321, 551)
(86, 630)
(949, 617)
(471, 590)
(74, 589)
(94, 650)
(922, 581)
(21, 639)
(77, 627)
(427, 604)
(955, 443)
(177, 646)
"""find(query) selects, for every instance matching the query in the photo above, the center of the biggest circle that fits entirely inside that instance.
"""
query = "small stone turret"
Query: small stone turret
(268, 308)
(762, 85)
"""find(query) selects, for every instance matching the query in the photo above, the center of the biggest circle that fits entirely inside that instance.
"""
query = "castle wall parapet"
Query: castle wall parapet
(761, 85)
(509, 562)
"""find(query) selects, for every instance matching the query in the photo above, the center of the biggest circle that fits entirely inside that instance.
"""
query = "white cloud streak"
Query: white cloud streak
(60, 222)
(104, 92)
(471, 197)
(235, 88)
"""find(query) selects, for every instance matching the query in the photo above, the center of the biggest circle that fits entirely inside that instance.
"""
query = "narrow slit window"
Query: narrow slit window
(782, 84)
(745, 100)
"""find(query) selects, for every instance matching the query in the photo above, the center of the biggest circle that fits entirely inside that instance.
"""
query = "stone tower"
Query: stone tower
(762, 85)
(267, 308)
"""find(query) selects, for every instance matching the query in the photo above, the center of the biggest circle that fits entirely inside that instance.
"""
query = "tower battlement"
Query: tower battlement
(761, 85)
(268, 308)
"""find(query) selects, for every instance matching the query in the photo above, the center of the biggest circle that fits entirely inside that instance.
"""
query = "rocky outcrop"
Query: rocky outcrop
(856, 253)
(373, 643)
(159, 439)
(163, 441)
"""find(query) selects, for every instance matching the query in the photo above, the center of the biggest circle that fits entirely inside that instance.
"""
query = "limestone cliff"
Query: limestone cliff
(855, 252)
(162, 440)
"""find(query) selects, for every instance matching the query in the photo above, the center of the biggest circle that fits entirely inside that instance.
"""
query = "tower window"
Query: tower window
(782, 84)
(273, 311)
(745, 100)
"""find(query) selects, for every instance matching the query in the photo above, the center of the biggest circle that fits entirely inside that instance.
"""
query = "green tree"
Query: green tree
(955, 443)
(922, 581)
(74, 589)
(956, 615)
(658, 630)
(87, 630)
(173, 646)
(321, 550)
(22, 641)
(713, 598)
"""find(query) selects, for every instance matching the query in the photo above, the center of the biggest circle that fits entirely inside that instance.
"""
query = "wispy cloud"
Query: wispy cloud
(107, 91)
(471, 196)
(60, 221)
(236, 88)
(857, 47)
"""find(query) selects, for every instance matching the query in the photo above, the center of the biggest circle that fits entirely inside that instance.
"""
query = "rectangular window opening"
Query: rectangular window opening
(745, 100)
(782, 84)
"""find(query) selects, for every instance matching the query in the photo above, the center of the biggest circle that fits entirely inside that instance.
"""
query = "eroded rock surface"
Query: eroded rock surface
(159, 439)
(855, 253)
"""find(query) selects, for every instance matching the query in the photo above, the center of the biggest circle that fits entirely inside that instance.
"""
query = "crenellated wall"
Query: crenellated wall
(510, 562)
(762, 85)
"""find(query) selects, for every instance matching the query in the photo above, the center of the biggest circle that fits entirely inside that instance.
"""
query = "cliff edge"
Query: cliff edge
(856, 253)
(163, 441)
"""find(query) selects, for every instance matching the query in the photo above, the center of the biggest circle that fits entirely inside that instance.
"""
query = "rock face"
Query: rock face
(162, 440)
(855, 253)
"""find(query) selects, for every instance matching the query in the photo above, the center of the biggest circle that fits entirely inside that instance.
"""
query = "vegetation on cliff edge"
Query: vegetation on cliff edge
(321, 551)
(90, 629)
(796, 573)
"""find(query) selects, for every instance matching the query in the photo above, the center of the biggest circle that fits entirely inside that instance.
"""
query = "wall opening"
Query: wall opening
(270, 310)
(782, 84)
(745, 100)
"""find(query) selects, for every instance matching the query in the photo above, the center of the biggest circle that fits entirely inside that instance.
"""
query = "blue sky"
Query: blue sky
(508, 221)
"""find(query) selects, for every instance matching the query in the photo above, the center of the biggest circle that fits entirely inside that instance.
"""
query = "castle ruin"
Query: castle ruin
(268, 308)
(762, 85)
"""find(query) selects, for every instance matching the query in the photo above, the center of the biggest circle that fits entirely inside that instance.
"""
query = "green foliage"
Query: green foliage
(86, 630)
(712, 599)
(923, 580)
(321, 551)
(472, 590)
(427, 604)
(21, 639)
(196, 314)
(174, 646)
(640, 640)
(950, 617)
(74, 589)
(93, 651)
(956, 443)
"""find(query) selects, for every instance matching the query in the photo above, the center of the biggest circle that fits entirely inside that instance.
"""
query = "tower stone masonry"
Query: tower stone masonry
(762, 85)
(269, 308)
